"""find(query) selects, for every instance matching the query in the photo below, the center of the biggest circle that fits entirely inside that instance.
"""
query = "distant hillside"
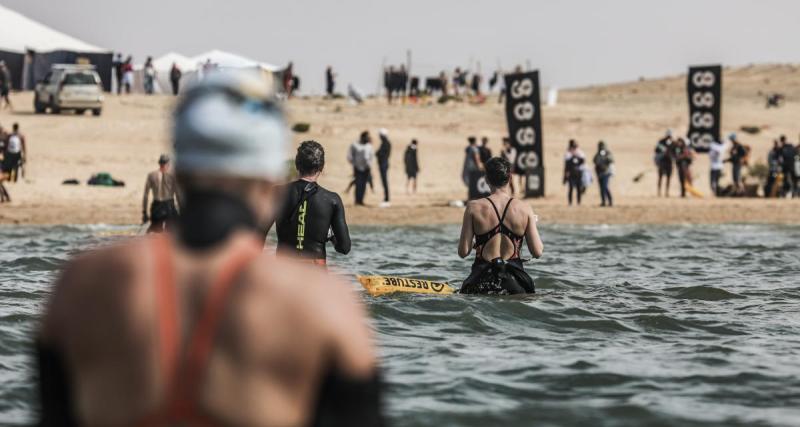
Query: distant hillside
(748, 82)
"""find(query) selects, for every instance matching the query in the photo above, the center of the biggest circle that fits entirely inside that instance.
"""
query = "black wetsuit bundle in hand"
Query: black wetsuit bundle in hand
(499, 276)
(311, 216)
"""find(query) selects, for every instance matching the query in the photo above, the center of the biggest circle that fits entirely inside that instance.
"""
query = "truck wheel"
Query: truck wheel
(97, 111)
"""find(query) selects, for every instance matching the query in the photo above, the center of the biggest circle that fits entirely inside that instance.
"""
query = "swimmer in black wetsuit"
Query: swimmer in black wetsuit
(498, 237)
(311, 215)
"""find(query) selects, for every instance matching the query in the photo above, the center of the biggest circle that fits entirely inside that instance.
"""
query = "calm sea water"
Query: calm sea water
(632, 326)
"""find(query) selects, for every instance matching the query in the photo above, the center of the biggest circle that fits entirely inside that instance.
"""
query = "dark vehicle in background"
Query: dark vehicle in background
(69, 87)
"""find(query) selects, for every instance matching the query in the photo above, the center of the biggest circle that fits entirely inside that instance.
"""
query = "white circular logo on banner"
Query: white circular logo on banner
(483, 187)
(527, 160)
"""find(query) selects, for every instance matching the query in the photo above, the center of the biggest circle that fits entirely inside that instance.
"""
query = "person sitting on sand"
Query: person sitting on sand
(497, 238)
(203, 328)
(311, 215)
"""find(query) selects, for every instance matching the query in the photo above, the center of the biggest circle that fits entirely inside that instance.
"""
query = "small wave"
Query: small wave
(704, 293)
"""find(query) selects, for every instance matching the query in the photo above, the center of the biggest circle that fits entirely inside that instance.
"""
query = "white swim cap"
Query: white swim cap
(228, 125)
(383, 131)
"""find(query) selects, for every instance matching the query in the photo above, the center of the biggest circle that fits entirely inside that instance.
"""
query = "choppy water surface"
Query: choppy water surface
(632, 326)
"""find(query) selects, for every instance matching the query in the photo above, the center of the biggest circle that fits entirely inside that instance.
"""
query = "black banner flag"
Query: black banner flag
(524, 117)
(704, 86)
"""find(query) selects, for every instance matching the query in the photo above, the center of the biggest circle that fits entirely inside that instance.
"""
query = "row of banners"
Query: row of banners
(524, 119)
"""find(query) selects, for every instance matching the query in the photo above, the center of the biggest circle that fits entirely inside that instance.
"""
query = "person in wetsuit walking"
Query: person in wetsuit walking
(311, 215)
(497, 237)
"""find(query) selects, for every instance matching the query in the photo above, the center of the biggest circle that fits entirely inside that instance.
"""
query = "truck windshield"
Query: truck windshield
(80, 79)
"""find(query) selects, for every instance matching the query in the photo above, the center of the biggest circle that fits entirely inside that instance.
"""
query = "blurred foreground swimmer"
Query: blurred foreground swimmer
(202, 328)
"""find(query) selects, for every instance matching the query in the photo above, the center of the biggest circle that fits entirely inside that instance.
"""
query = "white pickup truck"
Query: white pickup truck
(69, 87)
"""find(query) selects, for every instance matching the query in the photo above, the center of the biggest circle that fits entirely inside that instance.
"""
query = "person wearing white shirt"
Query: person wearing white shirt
(715, 156)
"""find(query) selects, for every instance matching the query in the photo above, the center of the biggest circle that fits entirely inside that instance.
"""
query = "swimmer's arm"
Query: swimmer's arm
(341, 233)
(532, 238)
(467, 233)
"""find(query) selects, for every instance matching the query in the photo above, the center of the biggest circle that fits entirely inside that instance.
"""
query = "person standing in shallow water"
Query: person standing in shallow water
(573, 172)
(498, 237)
(163, 209)
(603, 161)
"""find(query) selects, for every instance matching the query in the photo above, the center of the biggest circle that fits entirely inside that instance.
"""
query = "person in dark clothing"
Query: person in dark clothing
(602, 166)
(175, 75)
(573, 173)
(389, 82)
(412, 166)
(775, 167)
(382, 155)
(330, 81)
(485, 151)
(663, 160)
(5, 85)
(737, 157)
(683, 156)
(117, 67)
(788, 153)
(497, 238)
(311, 215)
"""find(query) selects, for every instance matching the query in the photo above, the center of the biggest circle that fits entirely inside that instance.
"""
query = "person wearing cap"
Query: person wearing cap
(201, 327)
(311, 215)
(163, 209)
(382, 155)
(663, 160)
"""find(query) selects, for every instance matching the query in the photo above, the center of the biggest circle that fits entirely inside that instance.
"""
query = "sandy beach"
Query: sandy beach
(630, 117)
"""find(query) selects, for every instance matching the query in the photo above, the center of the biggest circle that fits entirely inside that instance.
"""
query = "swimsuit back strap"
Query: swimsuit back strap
(505, 211)
(496, 212)
(184, 404)
(166, 293)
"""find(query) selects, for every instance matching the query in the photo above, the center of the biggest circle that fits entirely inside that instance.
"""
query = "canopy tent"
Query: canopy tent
(29, 48)
(220, 59)
(164, 62)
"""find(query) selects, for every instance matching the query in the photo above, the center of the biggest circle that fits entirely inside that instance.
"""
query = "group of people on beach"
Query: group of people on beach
(783, 163)
(578, 177)
(200, 326)
(361, 155)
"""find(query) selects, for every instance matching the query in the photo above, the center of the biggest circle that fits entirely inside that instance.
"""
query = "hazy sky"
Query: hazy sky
(573, 42)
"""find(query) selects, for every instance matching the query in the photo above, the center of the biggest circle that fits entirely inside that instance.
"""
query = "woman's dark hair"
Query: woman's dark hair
(498, 172)
(310, 158)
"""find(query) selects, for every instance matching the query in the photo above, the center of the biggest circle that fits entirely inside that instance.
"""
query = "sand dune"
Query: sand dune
(630, 117)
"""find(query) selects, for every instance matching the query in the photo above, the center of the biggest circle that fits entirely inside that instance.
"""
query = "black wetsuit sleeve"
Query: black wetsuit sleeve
(55, 396)
(347, 402)
(341, 233)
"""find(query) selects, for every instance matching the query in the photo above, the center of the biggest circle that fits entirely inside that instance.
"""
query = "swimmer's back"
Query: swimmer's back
(485, 219)
(281, 329)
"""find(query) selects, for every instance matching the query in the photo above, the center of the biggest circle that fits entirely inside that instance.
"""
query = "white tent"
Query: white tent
(20, 36)
(223, 59)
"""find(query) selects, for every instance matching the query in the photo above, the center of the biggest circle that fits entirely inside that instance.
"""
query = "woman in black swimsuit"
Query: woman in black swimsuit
(497, 237)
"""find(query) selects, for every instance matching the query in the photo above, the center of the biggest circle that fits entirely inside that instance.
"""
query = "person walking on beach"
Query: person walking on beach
(485, 151)
(382, 155)
(788, 153)
(330, 82)
(175, 75)
(127, 75)
(574, 160)
(311, 215)
(683, 155)
(736, 157)
(360, 155)
(663, 160)
(497, 238)
(715, 154)
(203, 328)
(510, 154)
(411, 161)
(117, 67)
(163, 209)
(603, 161)
(15, 153)
(5, 86)
(472, 165)
(149, 76)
